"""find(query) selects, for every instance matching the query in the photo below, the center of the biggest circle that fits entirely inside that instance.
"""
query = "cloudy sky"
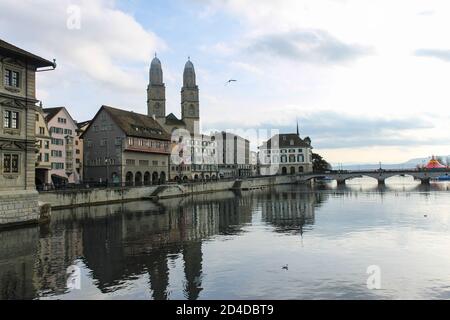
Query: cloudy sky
(368, 81)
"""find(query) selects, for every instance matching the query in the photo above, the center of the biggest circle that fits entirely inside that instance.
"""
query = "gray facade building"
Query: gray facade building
(125, 148)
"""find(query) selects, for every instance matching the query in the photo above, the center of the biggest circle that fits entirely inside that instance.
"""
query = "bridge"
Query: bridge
(381, 175)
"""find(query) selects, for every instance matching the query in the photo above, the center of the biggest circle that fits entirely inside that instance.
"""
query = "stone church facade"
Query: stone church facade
(193, 154)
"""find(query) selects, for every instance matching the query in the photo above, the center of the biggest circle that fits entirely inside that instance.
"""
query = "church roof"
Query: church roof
(156, 73)
(136, 125)
(286, 140)
(189, 75)
(171, 119)
(189, 65)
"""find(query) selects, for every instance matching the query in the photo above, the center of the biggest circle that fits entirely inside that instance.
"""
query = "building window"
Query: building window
(46, 157)
(10, 163)
(37, 117)
(12, 78)
(11, 119)
(56, 153)
(62, 120)
(118, 141)
(57, 142)
(130, 141)
(56, 130)
(46, 144)
(57, 165)
(130, 162)
(41, 130)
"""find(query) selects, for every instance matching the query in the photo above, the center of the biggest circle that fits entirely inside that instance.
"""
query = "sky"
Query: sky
(366, 80)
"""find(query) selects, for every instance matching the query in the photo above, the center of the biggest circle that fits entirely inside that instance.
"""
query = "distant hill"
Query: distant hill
(406, 165)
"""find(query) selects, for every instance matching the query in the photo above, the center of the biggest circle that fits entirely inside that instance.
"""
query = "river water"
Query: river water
(234, 246)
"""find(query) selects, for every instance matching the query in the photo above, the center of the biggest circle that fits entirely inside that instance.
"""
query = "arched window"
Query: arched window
(138, 179)
(147, 178)
(155, 179)
(129, 179)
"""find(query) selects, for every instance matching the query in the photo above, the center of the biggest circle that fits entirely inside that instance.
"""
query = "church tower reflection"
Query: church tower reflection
(192, 256)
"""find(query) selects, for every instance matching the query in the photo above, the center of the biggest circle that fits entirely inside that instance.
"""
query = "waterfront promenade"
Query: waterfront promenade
(95, 196)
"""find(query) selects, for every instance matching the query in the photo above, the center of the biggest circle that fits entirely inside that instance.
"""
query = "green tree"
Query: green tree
(319, 163)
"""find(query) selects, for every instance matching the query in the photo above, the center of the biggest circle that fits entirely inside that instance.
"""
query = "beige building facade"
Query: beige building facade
(18, 195)
(43, 141)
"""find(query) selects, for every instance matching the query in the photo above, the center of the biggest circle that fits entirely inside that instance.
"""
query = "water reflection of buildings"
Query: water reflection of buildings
(289, 209)
(136, 241)
(123, 242)
(17, 257)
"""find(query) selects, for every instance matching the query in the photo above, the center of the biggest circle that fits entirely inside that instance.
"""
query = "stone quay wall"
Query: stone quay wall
(18, 207)
(88, 197)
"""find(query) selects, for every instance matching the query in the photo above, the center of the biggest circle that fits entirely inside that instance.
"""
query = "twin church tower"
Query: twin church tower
(190, 106)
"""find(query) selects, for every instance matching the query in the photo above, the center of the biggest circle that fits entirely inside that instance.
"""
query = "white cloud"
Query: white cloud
(392, 82)
(104, 49)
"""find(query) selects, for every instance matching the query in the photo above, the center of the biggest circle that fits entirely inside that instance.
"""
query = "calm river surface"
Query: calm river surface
(228, 246)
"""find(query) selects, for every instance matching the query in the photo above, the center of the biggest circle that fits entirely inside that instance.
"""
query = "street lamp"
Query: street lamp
(107, 171)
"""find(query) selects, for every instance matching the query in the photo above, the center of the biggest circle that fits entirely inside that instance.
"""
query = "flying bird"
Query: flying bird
(286, 267)
(229, 81)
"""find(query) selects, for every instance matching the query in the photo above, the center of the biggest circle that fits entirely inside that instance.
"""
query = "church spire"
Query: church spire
(189, 75)
(156, 91)
(298, 131)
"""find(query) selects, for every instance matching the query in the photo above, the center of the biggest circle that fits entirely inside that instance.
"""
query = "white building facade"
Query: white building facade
(285, 154)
